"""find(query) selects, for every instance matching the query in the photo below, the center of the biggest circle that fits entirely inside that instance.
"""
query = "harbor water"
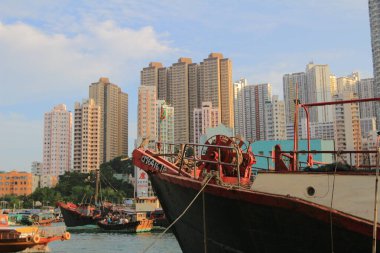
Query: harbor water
(93, 242)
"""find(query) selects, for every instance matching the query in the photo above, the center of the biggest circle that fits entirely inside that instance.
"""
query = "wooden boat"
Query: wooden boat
(40, 219)
(80, 215)
(14, 239)
(84, 214)
(137, 222)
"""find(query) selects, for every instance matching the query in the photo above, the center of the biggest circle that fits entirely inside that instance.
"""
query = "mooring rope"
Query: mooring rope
(180, 216)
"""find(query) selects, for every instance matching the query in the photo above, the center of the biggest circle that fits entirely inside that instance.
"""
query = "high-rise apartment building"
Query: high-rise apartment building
(147, 113)
(369, 143)
(320, 130)
(216, 86)
(204, 118)
(275, 126)
(194, 96)
(185, 85)
(57, 141)
(374, 18)
(347, 83)
(366, 90)
(294, 86)
(319, 90)
(42, 180)
(149, 75)
(333, 85)
(114, 118)
(316, 84)
(347, 127)
(87, 126)
(250, 101)
(367, 125)
(156, 75)
(37, 168)
(255, 98)
(180, 99)
(163, 92)
(239, 112)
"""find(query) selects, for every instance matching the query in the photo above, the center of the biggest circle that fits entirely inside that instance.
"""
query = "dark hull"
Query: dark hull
(10, 241)
(238, 222)
(161, 223)
(15, 247)
(74, 219)
(128, 227)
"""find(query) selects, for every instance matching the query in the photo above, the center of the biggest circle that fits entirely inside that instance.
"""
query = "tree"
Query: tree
(70, 179)
(46, 196)
(80, 187)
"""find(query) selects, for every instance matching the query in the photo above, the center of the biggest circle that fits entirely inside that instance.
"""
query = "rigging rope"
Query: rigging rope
(106, 181)
(332, 199)
(207, 180)
(84, 195)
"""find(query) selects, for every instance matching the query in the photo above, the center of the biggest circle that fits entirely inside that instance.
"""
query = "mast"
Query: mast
(97, 185)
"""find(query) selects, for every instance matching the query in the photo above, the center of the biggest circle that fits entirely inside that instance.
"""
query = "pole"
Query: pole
(295, 144)
(135, 188)
(374, 238)
(308, 134)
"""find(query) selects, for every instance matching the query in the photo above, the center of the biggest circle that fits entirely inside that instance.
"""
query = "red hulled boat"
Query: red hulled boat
(285, 210)
(80, 215)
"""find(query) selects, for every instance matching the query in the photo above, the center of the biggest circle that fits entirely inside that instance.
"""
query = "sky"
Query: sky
(51, 51)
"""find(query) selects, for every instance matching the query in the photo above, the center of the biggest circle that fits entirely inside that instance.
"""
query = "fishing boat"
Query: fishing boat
(85, 213)
(159, 218)
(15, 218)
(79, 215)
(40, 219)
(131, 223)
(215, 203)
(34, 238)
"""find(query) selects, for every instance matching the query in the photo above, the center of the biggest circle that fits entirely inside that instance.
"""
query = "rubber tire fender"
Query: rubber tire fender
(36, 238)
(66, 236)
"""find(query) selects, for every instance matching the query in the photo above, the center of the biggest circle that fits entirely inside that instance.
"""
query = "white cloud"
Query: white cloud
(37, 65)
(21, 142)
(40, 70)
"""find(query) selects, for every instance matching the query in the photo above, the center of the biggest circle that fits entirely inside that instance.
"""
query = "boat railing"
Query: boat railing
(190, 154)
(270, 165)
(362, 158)
(267, 159)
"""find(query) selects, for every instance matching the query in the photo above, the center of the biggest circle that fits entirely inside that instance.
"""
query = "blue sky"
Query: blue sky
(52, 50)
